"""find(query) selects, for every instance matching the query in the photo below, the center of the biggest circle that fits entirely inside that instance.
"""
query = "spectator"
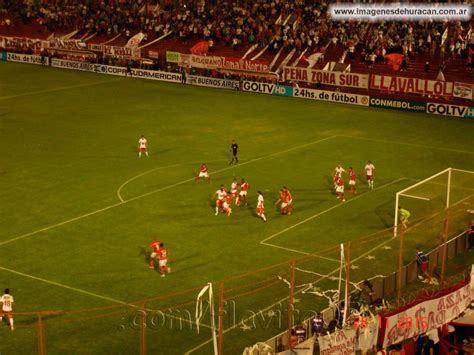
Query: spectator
(317, 324)
(427, 67)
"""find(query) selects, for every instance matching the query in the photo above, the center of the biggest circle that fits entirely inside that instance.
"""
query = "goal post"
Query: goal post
(434, 194)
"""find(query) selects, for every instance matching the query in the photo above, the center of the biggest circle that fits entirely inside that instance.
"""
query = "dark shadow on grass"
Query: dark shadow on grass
(384, 216)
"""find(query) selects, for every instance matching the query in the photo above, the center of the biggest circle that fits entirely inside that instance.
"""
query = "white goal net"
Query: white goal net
(433, 195)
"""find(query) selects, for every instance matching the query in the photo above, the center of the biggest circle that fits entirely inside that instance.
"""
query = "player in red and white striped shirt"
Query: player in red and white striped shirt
(244, 187)
(203, 173)
(155, 248)
(340, 189)
(163, 260)
(352, 180)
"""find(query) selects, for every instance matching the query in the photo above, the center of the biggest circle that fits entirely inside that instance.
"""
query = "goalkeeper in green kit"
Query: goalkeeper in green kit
(404, 215)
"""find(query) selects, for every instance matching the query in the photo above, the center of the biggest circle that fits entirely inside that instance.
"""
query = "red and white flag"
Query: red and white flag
(135, 40)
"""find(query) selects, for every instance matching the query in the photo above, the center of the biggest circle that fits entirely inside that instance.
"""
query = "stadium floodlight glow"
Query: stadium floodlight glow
(400, 12)
(441, 195)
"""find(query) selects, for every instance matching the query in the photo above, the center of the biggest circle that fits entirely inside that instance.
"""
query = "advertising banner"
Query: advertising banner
(267, 88)
(326, 77)
(333, 96)
(173, 57)
(448, 110)
(398, 104)
(401, 85)
(26, 58)
(212, 82)
(425, 316)
(462, 90)
(120, 71)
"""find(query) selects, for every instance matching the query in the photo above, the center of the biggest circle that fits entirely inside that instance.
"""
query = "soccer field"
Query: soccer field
(78, 208)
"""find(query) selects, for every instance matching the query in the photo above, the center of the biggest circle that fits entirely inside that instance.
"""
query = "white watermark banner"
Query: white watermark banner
(400, 12)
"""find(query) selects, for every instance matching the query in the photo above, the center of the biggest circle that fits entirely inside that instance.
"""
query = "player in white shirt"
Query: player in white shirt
(7, 307)
(142, 146)
(370, 173)
(219, 196)
(337, 174)
(234, 191)
(260, 206)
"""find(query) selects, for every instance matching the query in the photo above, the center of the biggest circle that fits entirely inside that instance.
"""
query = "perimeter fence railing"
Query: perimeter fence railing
(254, 305)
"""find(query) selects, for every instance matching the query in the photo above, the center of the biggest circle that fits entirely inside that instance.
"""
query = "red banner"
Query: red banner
(402, 85)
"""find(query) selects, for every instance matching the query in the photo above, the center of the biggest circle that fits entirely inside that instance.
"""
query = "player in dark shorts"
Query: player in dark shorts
(234, 148)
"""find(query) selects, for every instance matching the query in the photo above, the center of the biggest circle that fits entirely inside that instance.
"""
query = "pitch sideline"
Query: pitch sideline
(113, 300)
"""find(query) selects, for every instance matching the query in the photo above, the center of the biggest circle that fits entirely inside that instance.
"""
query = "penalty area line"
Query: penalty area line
(113, 300)
(323, 212)
(299, 252)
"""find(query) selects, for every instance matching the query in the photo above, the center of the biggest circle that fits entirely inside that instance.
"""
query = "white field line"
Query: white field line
(415, 197)
(155, 191)
(244, 321)
(59, 89)
(300, 252)
(409, 144)
(325, 211)
(75, 289)
(119, 195)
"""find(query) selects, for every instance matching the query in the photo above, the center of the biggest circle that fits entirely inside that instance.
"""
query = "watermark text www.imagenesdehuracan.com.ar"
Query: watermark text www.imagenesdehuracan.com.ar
(400, 12)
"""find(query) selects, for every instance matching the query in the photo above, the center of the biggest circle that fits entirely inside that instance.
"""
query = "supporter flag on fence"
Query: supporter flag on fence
(394, 60)
(312, 59)
(135, 40)
(200, 48)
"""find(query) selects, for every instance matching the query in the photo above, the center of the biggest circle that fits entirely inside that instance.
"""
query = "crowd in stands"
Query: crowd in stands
(300, 24)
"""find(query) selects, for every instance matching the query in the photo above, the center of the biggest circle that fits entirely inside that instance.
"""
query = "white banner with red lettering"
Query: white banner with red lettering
(326, 77)
(342, 342)
(67, 44)
(22, 43)
(402, 85)
(214, 62)
(463, 90)
(121, 52)
(425, 316)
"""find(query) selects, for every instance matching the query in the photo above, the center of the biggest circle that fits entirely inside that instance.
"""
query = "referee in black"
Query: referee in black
(234, 148)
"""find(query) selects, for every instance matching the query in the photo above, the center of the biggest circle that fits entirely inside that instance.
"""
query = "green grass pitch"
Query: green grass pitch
(78, 207)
